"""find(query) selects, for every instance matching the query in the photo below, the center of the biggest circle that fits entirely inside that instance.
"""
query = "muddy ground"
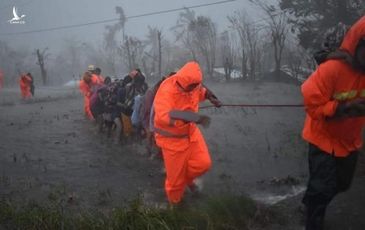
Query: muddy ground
(48, 149)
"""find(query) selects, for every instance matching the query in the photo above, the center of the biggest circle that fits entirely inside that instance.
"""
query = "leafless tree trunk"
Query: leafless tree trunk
(133, 51)
(110, 41)
(42, 56)
(126, 47)
(159, 38)
(249, 42)
(278, 31)
(228, 54)
(252, 39)
(205, 39)
(183, 33)
(154, 46)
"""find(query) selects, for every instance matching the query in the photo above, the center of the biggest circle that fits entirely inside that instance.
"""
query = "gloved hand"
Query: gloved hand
(204, 121)
(354, 108)
(212, 98)
(217, 103)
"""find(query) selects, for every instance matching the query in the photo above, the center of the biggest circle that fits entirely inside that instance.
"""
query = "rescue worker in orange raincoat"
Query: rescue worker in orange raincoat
(334, 98)
(85, 88)
(25, 83)
(96, 78)
(185, 153)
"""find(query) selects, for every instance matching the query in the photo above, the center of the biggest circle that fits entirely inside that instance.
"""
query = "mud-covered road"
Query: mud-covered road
(47, 145)
(49, 150)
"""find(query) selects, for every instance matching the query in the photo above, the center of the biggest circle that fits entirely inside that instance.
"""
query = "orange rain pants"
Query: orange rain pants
(86, 91)
(182, 167)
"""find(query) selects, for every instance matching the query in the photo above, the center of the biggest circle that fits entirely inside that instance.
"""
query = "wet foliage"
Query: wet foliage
(223, 212)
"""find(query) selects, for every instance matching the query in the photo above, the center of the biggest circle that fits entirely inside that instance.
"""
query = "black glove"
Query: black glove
(354, 108)
(340, 110)
(217, 103)
(212, 98)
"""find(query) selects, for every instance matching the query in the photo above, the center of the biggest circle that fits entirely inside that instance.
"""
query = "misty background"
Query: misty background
(238, 39)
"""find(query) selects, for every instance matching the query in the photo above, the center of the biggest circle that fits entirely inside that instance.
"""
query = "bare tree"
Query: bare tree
(238, 22)
(254, 57)
(154, 44)
(183, 33)
(159, 38)
(133, 51)
(199, 37)
(42, 56)
(205, 39)
(278, 31)
(110, 43)
(300, 62)
(227, 54)
(249, 41)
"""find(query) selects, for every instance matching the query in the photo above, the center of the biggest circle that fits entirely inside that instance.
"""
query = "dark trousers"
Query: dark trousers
(328, 175)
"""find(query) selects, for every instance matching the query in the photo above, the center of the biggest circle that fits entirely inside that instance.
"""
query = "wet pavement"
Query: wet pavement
(47, 148)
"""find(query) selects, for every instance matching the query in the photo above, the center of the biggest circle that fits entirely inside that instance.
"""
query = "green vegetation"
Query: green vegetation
(225, 212)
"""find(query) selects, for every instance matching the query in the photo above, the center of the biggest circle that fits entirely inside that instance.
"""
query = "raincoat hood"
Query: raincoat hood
(353, 37)
(189, 74)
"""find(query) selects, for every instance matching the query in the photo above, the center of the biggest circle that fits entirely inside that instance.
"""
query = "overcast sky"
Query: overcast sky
(42, 14)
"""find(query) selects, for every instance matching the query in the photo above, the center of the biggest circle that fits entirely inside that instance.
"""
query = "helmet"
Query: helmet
(91, 68)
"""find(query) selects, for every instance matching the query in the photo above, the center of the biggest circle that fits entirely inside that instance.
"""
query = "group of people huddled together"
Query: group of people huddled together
(121, 106)
(166, 114)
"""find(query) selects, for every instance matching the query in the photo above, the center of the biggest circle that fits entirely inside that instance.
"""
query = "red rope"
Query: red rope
(254, 105)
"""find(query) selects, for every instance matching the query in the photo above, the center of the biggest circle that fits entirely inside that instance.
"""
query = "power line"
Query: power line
(116, 19)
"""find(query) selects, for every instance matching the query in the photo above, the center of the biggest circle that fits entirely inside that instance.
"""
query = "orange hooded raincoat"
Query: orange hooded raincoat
(87, 86)
(25, 84)
(184, 150)
(96, 80)
(333, 82)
